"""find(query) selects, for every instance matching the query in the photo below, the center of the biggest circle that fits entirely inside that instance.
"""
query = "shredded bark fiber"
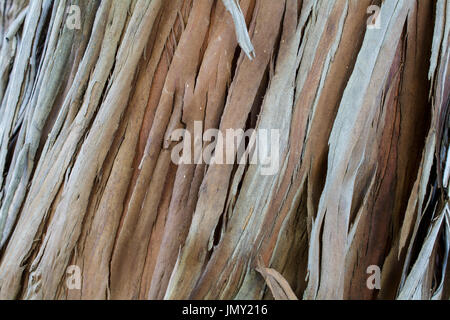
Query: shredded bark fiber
(88, 110)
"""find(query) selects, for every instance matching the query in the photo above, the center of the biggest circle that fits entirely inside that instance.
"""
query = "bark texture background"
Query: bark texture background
(86, 176)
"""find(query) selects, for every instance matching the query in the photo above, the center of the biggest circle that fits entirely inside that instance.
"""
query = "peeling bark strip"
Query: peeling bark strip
(92, 91)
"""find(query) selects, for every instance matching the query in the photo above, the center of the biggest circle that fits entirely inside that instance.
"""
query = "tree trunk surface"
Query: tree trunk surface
(93, 92)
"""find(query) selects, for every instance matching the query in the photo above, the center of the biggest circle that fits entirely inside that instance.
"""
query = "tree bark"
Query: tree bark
(87, 177)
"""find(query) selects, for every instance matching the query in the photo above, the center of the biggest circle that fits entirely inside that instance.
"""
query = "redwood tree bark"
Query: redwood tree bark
(91, 93)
